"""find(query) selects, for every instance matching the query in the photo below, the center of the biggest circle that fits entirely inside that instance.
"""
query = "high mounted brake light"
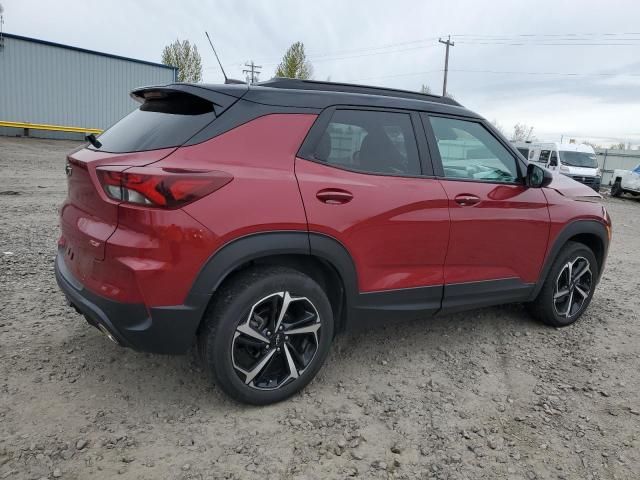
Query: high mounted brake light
(160, 187)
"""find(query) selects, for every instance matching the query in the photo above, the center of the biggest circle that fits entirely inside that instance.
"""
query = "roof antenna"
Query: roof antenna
(227, 80)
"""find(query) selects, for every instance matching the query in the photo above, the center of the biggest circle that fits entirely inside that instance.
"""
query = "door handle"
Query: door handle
(467, 200)
(334, 196)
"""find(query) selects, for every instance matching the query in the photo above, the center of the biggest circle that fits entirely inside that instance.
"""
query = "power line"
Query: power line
(577, 74)
(514, 35)
(340, 53)
(393, 75)
(522, 39)
(571, 44)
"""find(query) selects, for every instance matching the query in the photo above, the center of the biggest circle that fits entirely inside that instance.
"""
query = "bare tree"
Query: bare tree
(522, 132)
(425, 89)
(295, 64)
(498, 126)
(186, 58)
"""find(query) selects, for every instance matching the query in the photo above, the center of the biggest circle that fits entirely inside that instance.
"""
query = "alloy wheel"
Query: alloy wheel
(277, 341)
(573, 287)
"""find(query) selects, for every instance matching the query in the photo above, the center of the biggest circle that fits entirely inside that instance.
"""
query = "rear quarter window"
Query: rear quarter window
(164, 121)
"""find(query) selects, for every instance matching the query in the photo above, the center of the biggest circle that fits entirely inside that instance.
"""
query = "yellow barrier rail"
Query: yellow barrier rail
(53, 128)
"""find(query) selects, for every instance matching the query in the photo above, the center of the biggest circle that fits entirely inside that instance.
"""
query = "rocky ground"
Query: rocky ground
(488, 394)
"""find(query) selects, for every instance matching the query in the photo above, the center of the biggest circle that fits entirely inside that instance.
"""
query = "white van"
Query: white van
(523, 147)
(577, 161)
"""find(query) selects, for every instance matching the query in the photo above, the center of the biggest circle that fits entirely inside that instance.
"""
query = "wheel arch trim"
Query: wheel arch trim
(259, 245)
(592, 228)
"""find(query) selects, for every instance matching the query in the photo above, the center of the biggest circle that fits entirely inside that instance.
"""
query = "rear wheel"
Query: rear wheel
(569, 286)
(267, 334)
(616, 189)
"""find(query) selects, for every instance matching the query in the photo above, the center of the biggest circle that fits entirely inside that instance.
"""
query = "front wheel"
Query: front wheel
(266, 334)
(568, 288)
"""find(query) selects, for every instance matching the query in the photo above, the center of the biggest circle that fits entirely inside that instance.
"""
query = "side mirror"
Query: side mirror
(538, 177)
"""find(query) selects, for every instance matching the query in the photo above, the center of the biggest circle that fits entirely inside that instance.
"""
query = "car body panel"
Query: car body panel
(488, 239)
(401, 246)
(395, 228)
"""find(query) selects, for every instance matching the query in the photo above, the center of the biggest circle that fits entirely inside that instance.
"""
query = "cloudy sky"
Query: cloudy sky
(568, 68)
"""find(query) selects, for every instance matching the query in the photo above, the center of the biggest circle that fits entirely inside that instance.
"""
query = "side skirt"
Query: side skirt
(379, 308)
(466, 296)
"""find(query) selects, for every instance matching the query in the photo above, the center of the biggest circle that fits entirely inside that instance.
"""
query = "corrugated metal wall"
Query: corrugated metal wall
(609, 160)
(43, 83)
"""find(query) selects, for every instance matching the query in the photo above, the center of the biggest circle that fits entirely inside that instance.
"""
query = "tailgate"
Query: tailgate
(88, 217)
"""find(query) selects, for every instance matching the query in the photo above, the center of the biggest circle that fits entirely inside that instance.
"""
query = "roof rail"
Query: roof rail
(298, 84)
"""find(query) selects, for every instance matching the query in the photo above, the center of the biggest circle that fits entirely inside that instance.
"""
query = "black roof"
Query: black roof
(312, 96)
(297, 84)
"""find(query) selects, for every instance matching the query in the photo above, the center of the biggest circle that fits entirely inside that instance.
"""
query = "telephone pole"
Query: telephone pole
(254, 70)
(448, 43)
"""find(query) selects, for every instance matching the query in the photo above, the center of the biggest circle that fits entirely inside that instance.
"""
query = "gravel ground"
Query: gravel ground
(487, 394)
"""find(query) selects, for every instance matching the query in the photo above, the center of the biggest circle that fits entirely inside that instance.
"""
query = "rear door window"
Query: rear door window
(370, 141)
(164, 121)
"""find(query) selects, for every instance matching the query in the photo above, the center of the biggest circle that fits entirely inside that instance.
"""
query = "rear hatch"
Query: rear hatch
(166, 119)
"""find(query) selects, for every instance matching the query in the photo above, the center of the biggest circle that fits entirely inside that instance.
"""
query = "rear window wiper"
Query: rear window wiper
(91, 138)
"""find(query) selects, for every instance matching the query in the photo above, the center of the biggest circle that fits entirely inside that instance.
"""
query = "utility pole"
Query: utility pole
(448, 43)
(254, 71)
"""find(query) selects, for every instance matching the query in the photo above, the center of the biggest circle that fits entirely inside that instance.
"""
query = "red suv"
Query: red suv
(262, 220)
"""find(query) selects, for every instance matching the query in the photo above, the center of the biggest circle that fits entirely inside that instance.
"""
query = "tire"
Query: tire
(616, 189)
(240, 335)
(562, 302)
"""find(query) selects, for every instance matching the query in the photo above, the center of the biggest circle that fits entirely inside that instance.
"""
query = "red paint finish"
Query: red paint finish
(497, 231)
(396, 229)
(88, 217)
(564, 210)
(152, 255)
(263, 195)
(401, 232)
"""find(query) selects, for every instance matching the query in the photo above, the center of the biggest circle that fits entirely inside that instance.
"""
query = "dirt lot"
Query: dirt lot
(488, 394)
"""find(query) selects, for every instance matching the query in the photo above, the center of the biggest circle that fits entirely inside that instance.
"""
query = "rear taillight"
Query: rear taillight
(160, 187)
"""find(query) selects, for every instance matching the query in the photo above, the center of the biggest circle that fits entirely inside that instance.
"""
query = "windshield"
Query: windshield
(579, 159)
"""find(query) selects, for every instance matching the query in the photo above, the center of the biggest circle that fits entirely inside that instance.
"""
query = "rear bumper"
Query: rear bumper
(169, 329)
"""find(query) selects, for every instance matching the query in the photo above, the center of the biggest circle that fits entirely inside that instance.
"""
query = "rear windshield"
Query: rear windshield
(162, 122)
(579, 159)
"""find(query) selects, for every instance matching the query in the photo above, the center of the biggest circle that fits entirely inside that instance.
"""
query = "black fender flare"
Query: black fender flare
(577, 227)
(260, 245)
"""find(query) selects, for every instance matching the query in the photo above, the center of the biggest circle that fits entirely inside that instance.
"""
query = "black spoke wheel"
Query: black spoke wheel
(277, 341)
(573, 287)
(568, 288)
(268, 335)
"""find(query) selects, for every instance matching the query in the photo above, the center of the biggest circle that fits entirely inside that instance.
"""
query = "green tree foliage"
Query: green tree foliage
(186, 57)
(295, 64)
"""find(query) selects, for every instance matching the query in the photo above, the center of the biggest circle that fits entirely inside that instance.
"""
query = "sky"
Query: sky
(570, 69)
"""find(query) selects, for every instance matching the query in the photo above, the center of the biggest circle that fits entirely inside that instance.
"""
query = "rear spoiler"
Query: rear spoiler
(222, 97)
